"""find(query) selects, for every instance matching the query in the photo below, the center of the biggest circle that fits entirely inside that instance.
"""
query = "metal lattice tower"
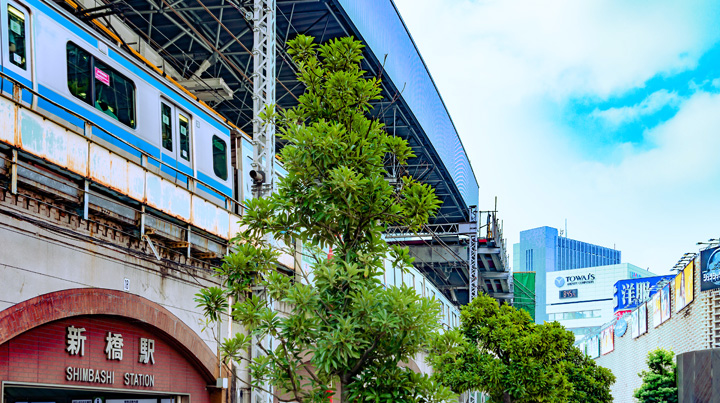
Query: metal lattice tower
(263, 174)
(472, 255)
(263, 94)
(473, 270)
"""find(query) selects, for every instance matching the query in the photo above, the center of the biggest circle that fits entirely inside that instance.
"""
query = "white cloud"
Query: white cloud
(596, 48)
(506, 68)
(650, 105)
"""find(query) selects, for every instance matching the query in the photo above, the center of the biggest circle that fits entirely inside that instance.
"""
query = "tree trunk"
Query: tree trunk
(344, 393)
(506, 398)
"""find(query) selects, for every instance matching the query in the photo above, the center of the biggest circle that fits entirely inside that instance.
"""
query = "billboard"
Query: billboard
(594, 347)
(607, 340)
(635, 324)
(665, 303)
(684, 286)
(643, 320)
(657, 310)
(710, 269)
(639, 321)
(630, 293)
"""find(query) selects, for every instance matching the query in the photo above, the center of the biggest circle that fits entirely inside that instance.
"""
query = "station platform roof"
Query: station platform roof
(215, 39)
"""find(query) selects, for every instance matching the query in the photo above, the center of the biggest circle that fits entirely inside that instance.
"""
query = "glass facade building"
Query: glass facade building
(542, 250)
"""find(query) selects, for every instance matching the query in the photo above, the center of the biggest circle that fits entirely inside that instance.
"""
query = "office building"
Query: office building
(543, 250)
(582, 299)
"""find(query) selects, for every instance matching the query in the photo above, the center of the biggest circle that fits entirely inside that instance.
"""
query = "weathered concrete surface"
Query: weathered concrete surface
(43, 250)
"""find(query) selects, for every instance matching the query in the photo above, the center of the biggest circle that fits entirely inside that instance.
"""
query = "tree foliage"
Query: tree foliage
(660, 382)
(500, 351)
(343, 328)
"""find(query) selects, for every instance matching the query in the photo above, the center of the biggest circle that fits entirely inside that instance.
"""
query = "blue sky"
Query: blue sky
(626, 117)
(605, 113)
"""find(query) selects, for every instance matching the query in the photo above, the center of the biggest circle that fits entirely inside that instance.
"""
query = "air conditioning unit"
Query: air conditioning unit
(209, 89)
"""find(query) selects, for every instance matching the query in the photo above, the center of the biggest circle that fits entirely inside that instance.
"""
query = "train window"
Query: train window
(219, 158)
(114, 94)
(99, 85)
(167, 137)
(16, 37)
(78, 73)
(185, 138)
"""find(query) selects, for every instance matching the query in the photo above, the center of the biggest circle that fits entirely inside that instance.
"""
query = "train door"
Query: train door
(16, 47)
(176, 140)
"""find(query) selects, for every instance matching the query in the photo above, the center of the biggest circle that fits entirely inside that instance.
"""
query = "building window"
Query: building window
(219, 158)
(16, 37)
(529, 260)
(96, 84)
(595, 313)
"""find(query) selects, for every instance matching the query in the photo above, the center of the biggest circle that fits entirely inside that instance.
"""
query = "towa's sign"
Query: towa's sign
(588, 278)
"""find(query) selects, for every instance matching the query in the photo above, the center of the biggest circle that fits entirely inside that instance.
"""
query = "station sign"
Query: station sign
(75, 341)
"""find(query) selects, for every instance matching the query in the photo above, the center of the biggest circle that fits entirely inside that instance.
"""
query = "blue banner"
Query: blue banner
(630, 293)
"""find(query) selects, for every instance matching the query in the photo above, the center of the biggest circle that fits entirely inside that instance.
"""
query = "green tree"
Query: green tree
(660, 382)
(500, 351)
(343, 328)
(590, 382)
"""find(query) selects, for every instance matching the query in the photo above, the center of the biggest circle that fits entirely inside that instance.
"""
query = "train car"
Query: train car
(69, 65)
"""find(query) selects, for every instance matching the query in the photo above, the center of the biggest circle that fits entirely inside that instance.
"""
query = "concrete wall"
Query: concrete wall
(687, 330)
(45, 250)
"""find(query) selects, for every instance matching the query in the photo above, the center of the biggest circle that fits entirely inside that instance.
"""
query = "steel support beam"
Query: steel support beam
(473, 271)
(472, 256)
(263, 76)
(263, 94)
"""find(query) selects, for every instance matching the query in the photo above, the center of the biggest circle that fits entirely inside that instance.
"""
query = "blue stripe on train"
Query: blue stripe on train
(8, 85)
(140, 73)
(96, 120)
(129, 137)
(117, 131)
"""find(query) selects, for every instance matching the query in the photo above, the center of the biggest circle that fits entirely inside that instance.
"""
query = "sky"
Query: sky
(602, 113)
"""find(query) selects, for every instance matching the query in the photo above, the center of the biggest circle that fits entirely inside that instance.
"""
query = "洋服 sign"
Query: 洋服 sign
(630, 293)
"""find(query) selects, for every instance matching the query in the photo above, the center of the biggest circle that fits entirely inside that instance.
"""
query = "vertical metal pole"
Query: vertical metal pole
(142, 221)
(263, 132)
(263, 91)
(14, 172)
(189, 234)
(86, 199)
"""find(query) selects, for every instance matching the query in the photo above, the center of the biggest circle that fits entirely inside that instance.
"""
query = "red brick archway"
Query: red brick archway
(46, 308)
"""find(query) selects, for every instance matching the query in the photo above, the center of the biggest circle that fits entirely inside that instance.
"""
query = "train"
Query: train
(81, 75)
